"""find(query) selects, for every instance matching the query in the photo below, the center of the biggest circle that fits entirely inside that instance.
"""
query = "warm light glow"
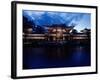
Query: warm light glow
(30, 30)
(59, 30)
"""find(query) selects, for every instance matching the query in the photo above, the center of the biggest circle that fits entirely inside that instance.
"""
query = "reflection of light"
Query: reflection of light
(79, 49)
(78, 54)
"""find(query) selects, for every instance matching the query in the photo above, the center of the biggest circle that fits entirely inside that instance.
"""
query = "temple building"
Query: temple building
(55, 33)
(58, 32)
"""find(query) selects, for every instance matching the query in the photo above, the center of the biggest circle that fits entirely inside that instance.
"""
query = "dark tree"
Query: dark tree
(86, 31)
(74, 31)
(27, 24)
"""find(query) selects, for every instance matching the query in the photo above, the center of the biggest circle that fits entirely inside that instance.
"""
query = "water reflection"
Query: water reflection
(56, 56)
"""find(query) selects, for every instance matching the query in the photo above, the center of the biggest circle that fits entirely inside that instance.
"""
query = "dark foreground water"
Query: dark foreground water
(56, 56)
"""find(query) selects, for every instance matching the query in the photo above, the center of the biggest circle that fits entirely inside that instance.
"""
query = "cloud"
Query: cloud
(49, 18)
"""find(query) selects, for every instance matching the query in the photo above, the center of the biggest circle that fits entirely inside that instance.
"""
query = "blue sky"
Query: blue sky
(79, 20)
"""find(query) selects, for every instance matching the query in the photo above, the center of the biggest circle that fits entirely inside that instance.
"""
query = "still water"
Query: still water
(56, 56)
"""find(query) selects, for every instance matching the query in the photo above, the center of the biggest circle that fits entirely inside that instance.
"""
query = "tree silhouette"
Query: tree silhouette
(74, 31)
(27, 24)
(86, 31)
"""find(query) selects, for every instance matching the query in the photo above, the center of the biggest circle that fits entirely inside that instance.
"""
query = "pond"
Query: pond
(55, 56)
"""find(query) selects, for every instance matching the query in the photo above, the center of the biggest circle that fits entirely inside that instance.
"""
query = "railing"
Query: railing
(45, 36)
